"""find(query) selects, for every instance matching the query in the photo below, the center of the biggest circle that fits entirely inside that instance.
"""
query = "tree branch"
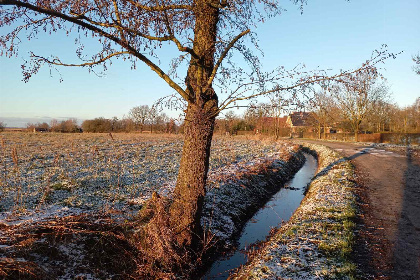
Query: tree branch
(117, 15)
(120, 27)
(160, 8)
(222, 56)
(310, 80)
(58, 62)
(105, 34)
(174, 39)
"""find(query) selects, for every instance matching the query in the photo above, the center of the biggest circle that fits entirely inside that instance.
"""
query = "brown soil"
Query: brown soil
(388, 242)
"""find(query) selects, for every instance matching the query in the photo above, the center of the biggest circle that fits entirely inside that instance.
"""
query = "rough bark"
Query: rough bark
(189, 193)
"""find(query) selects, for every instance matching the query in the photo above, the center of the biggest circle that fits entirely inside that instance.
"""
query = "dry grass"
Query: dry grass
(95, 171)
(69, 169)
(103, 246)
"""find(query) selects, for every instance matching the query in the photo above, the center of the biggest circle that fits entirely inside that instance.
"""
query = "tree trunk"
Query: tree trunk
(319, 130)
(185, 211)
(187, 205)
(356, 132)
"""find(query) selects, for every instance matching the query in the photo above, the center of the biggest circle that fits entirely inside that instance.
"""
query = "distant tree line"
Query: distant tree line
(365, 109)
(361, 104)
(108, 125)
(140, 118)
(65, 126)
(327, 115)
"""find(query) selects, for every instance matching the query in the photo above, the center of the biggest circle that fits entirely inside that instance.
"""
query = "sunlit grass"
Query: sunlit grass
(93, 171)
(318, 241)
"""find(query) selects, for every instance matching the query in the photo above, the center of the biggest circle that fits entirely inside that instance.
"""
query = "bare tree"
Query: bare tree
(321, 107)
(380, 117)
(152, 117)
(205, 32)
(54, 125)
(170, 126)
(256, 114)
(139, 115)
(358, 97)
(416, 67)
(278, 106)
(161, 121)
(229, 122)
(408, 118)
(2, 126)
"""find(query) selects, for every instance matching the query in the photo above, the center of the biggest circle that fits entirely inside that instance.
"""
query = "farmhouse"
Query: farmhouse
(300, 122)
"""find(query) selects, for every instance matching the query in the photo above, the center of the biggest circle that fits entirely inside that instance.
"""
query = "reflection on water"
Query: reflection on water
(280, 208)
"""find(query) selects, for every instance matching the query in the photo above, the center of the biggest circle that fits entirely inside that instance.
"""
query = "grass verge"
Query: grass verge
(317, 241)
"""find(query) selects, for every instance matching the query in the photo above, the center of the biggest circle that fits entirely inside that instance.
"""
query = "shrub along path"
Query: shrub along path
(388, 243)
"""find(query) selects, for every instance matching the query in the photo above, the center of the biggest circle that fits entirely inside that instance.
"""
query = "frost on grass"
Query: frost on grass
(318, 239)
(237, 191)
(68, 174)
(66, 199)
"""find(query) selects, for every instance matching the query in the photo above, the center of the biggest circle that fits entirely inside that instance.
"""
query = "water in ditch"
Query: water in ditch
(278, 209)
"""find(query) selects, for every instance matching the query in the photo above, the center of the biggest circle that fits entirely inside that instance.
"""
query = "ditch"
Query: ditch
(277, 210)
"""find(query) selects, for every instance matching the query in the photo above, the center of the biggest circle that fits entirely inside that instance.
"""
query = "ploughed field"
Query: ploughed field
(62, 174)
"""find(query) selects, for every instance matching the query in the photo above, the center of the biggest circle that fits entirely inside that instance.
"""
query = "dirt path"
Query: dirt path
(388, 243)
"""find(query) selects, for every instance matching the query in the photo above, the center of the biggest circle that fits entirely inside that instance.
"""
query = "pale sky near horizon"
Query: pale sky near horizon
(330, 34)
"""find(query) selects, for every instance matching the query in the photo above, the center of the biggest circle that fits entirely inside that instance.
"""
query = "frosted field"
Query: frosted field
(83, 172)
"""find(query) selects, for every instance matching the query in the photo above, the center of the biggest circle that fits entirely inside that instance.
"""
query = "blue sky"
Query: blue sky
(330, 34)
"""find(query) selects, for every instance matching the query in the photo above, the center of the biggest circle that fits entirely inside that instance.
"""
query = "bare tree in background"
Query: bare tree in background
(206, 34)
(2, 126)
(380, 116)
(416, 67)
(152, 116)
(278, 105)
(357, 98)
(139, 115)
(321, 107)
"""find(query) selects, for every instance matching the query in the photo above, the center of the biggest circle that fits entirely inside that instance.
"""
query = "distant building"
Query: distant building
(300, 122)
(40, 129)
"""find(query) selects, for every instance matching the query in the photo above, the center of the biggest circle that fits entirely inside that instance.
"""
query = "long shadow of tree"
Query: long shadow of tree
(404, 254)
(343, 159)
(365, 243)
(406, 251)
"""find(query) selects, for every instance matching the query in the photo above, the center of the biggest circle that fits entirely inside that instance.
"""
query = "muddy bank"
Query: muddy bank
(237, 198)
(317, 241)
(277, 210)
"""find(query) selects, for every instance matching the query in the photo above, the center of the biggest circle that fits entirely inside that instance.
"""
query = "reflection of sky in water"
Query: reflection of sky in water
(280, 208)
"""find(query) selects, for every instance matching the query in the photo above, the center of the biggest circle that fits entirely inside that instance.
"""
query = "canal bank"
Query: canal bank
(276, 211)
(317, 241)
